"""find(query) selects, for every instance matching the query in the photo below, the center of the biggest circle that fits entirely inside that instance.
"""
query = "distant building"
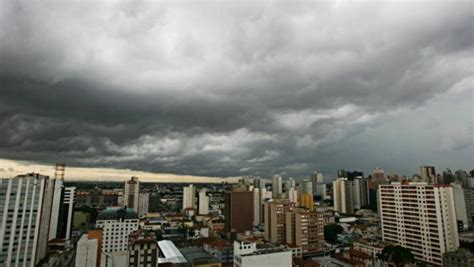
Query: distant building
(290, 183)
(428, 174)
(458, 258)
(319, 187)
(25, 202)
(142, 250)
(131, 194)
(189, 193)
(277, 186)
(238, 211)
(421, 217)
(343, 191)
(275, 222)
(97, 198)
(360, 192)
(292, 195)
(306, 201)
(143, 205)
(464, 204)
(203, 203)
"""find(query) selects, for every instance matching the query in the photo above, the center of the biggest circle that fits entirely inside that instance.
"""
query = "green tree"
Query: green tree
(331, 231)
(397, 255)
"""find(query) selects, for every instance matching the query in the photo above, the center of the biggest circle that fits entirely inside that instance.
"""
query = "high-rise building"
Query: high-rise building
(428, 174)
(306, 186)
(319, 187)
(131, 194)
(143, 204)
(25, 205)
(464, 205)
(203, 203)
(306, 201)
(421, 217)
(89, 249)
(66, 213)
(259, 183)
(277, 186)
(360, 192)
(290, 183)
(238, 211)
(189, 193)
(292, 195)
(56, 205)
(378, 173)
(275, 229)
(142, 250)
(305, 229)
(343, 195)
(259, 196)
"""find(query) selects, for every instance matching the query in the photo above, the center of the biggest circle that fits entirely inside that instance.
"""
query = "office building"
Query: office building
(306, 201)
(428, 174)
(143, 204)
(306, 186)
(360, 192)
(203, 203)
(66, 213)
(189, 194)
(131, 194)
(142, 250)
(238, 211)
(343, 195)
(25, 203)
(277, 186)
(290, 183)
(275, 230)
(421, 217)
(464, 205)
(305, 229)
(292, 195)
(56, 206)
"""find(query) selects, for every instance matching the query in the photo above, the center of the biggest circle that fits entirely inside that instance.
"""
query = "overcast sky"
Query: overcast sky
(230, 89)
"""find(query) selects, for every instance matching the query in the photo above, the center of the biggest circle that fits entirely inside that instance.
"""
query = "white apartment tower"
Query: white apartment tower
(428, 174)
(292, 195)
(203, 203)
(421, 217)
(25, 212)
(188, 197)
(131, 194)
(277, 186)
(343, 195)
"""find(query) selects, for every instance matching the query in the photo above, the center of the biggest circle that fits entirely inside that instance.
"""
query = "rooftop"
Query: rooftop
(117, 213)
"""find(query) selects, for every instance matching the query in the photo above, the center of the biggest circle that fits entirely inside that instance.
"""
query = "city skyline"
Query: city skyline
(197, 91)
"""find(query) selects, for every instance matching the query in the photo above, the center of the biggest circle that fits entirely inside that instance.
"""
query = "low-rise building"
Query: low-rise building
(458, 258)
(247, 254)
(142, 249)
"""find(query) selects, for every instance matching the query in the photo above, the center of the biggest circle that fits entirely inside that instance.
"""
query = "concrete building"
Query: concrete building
(89, 249)
(277, 186)
(131, 194)
(143, 204)
(257, 205)
(292, 195)
(25, 203)
(464, 205)
(319, 187)
(142, 250)
(458, 258)
(428, 174)
(343, 195)
(305, 229)
(203, 203)
(360, 192)
(239, 211)
(67, 211)
(306, 201)
(275, 229)
(189, 193)
(98, 198)
(117, 224)
(247, 254)
(421, 217)
(290, 183)
(56, 206)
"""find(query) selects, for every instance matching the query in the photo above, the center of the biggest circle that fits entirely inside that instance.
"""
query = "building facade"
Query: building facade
(277, 190)
(189, 193)
(203, 203)
(421, 217)
(238, 211)
(305, 229)
(275, 221)
(343, 191)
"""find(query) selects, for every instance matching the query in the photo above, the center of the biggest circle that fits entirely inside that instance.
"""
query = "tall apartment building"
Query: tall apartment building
(275, 229)
(306, 201)
(143, 204)
(25, 203)
(189, 193)
(464, 204)
(203, 203)
(238, 211)
(319, 187)
(89, 249)
(116, 224)
(66, 213)
(56, 207)
(142, 250)
(360, 192)
(259, 183)
(277, 186)
(305, 229)
(131, 193)
(292, 195)
(421, 217)
(306, 186)
(428, 174)
(343, 195)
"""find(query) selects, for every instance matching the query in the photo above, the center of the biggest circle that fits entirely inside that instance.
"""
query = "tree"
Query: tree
(397, 255)
(331, 231)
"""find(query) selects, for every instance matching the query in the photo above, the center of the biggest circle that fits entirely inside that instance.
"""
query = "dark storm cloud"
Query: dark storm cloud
(226, 89)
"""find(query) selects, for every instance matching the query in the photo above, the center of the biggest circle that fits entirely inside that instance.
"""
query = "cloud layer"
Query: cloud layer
(229, 89)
